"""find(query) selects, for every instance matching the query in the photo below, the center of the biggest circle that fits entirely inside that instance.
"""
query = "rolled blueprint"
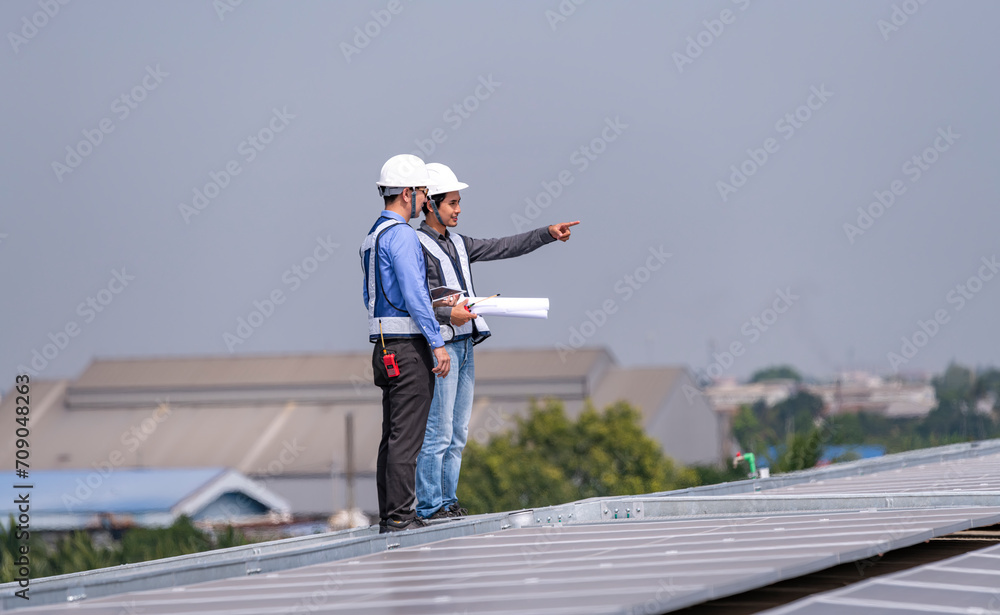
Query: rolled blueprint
(518, 307)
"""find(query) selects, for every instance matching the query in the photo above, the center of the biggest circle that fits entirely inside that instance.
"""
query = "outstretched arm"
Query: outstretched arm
(516, 245)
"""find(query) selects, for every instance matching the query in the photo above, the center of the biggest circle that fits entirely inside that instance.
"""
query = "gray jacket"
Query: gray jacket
(479, 250)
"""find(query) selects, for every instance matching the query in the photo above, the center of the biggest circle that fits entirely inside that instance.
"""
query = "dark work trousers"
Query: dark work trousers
(406, 401)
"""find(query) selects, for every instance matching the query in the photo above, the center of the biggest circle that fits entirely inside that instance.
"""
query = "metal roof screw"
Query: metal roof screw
(560, 519)
(548, 519)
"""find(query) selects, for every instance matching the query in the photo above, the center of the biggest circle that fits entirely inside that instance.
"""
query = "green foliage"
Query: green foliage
(550, 459)
(713, 475)
(143, 544)
(776, 372)
(758, 428)
(802, 451)
(788, 426)
(956, 383)
(77, 552)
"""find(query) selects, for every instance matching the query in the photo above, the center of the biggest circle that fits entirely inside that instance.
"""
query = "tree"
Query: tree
(76, 552)
(802, 451)
(549, 459)
(955, 383)
(776, 372)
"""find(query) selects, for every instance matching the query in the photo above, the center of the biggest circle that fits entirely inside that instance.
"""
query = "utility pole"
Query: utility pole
(349, 434)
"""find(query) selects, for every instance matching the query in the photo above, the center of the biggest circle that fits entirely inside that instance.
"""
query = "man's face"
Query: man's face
(449, 208)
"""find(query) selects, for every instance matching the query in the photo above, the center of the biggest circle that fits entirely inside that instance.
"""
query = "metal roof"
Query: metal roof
(261, 371)
(79, 499)
(966, 584)
(661, 565)
(648, 553)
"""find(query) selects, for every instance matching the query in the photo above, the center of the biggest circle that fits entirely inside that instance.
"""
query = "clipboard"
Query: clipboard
(443, 291)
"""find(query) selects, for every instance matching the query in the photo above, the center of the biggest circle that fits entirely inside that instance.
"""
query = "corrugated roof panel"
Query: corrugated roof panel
(976, 474)
(653, 566)
(967, 584)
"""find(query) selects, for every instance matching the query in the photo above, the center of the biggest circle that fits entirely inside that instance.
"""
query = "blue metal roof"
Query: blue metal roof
(117, 491)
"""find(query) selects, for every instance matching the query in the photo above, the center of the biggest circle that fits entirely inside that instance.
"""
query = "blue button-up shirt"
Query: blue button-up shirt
(403, 275)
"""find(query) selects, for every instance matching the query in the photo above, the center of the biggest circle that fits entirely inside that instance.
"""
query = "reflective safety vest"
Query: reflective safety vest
(396, 322)
(476, 327)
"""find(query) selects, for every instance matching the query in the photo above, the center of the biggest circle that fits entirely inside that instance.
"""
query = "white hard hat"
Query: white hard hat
(402, 171)
(442, 179)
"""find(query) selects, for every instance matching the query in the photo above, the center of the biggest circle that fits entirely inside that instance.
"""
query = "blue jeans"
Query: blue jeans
(440, 456)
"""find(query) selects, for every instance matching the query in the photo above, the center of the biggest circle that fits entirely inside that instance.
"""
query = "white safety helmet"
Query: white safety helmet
(402, 171)
(442, 179)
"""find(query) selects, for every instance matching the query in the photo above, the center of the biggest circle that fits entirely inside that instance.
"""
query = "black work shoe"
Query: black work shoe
(457, 511)
(442, 513)
(395, 525)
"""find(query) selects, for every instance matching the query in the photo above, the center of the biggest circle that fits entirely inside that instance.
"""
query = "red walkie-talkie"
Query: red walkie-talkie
(388, 358)
(390, 364)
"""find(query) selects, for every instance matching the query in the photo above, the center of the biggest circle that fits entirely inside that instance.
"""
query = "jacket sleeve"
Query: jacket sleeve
(507, 247)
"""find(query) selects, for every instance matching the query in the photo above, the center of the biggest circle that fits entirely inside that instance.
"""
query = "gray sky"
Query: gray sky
(172, 93)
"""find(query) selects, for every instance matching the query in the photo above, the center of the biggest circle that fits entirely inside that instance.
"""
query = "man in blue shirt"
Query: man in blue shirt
(402, 325)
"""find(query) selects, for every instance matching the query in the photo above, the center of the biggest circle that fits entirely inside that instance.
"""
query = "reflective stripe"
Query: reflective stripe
(451, 280)
(392, 326)
(463, 260)
(448, 332)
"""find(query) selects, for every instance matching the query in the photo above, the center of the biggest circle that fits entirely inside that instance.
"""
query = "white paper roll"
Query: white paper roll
(517, 307)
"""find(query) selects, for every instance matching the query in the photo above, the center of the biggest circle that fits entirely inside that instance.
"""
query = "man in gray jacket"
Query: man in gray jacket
(448, 257)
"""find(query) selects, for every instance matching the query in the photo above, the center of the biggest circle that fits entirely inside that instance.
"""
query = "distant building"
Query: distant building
(109, 498)
(852, 392)
(307, 427)
(728, 396)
